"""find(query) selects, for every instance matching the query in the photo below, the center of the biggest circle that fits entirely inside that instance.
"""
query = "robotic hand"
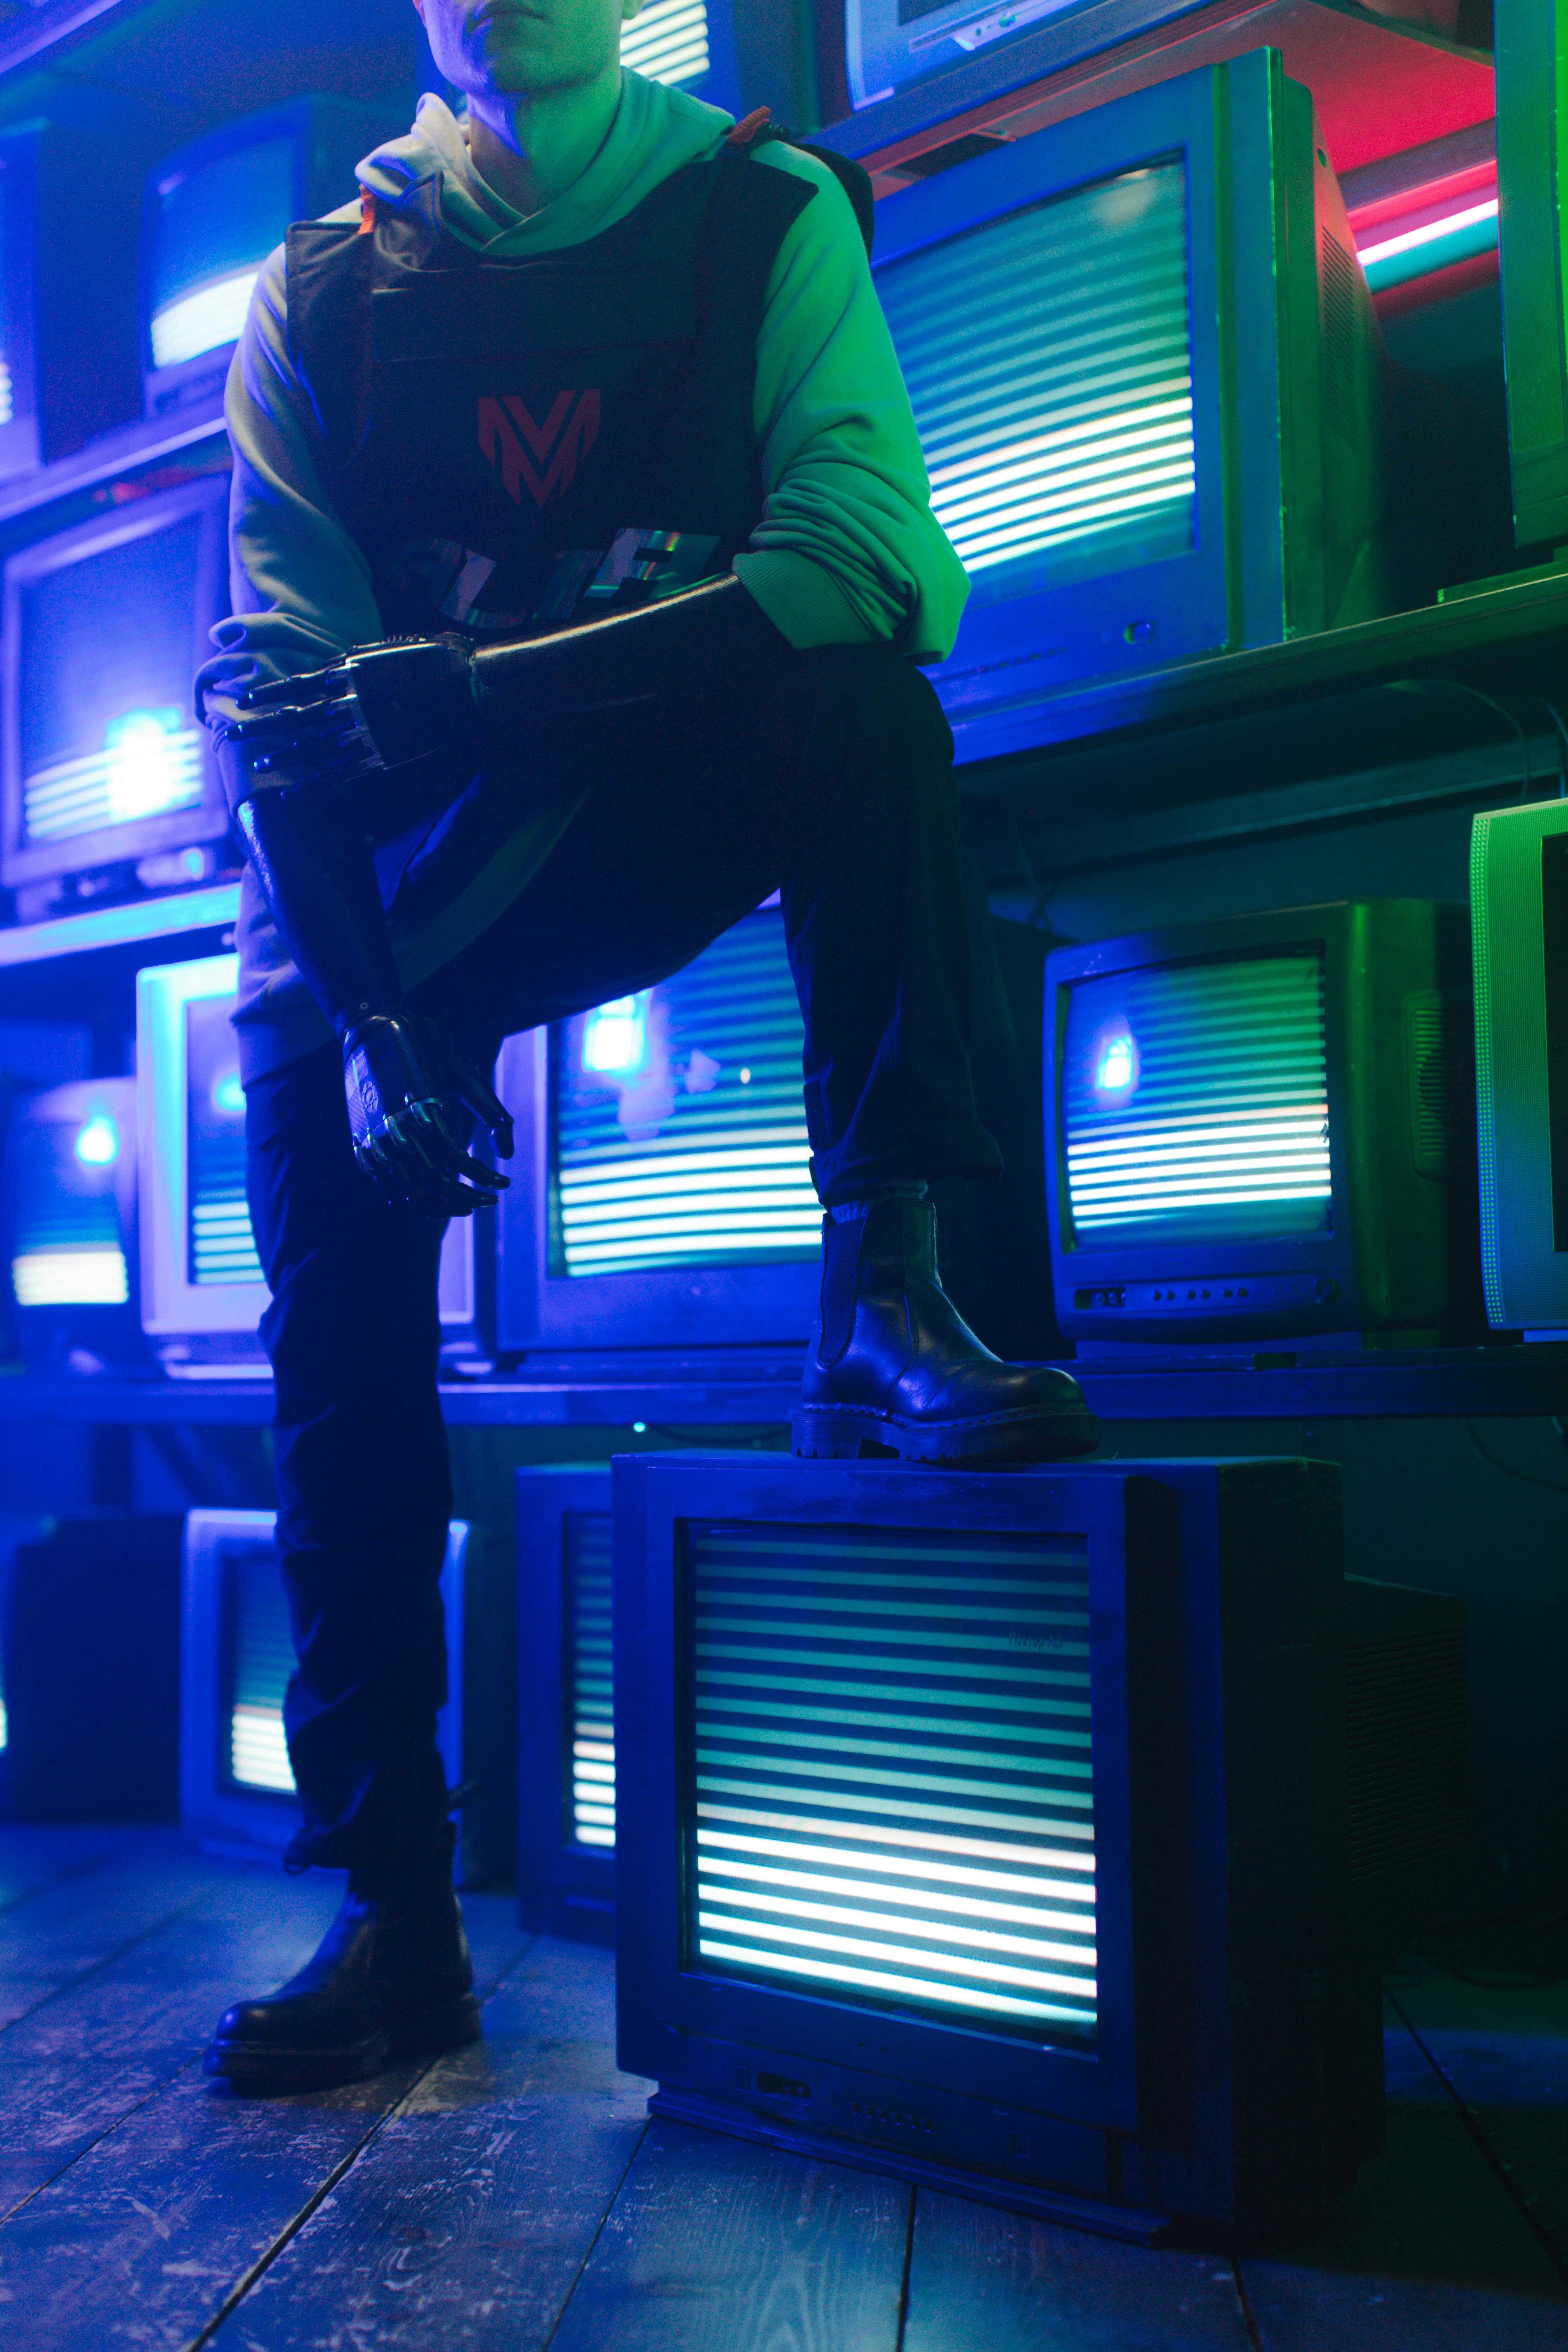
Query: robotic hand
(382, 705)
(412, 1098)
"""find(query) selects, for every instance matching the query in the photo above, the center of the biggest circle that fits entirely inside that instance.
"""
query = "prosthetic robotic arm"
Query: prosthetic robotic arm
(382, 705)
(411, 1095)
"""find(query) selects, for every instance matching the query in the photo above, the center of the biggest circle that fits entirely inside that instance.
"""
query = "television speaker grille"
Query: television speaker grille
(678, 1132)
(1195, 1101)
(890, 1784)
(590, 1690)
(1048, 360)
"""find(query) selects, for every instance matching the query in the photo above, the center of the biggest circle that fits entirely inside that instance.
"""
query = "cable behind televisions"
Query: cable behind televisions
(1525, 1477)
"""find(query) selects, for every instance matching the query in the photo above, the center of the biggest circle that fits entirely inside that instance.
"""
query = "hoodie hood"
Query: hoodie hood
(655, 132)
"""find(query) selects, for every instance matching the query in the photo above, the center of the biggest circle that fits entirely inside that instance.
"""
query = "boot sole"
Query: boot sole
(834, 1432)
(260, 2072)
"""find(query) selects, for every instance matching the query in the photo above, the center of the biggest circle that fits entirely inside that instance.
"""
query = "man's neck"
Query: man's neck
(530, 147)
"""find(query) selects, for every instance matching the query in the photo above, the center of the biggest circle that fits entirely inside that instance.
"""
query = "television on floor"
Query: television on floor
(237, 1654)
(105, 770)
(1519, 919)
(661, 1192)
(69, 1222)
(997, 1831)
(1146, 374)
(1532, 122)
(211, 214)
(566, 1702)
(203, 1289)
(1259, 1129)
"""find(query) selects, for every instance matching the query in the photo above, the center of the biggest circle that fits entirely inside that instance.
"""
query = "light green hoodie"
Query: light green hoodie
(848, 551)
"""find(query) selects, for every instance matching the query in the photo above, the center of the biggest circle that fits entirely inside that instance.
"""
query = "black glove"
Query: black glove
(412, 1100)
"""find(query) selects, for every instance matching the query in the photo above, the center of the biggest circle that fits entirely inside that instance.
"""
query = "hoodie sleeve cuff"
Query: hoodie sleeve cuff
(804, 603)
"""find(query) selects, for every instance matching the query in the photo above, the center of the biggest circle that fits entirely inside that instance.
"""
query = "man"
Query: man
(592, 402)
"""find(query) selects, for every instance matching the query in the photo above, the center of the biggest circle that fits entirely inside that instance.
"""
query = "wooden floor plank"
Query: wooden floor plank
(985, 2281)
(140, 2241)
(77, 1926)
(1503, 2050)
(716, 2246)
(1427, 2253)
(34, 1855)
(468, 2217)
(81, 2062)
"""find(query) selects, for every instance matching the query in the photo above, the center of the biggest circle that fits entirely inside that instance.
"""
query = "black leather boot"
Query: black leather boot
(894, 1369)
(392, 1978)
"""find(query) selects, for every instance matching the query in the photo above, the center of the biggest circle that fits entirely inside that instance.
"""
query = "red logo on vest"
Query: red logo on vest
(566, 435)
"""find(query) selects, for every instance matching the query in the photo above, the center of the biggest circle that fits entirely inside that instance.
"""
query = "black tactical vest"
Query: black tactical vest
(515, 444)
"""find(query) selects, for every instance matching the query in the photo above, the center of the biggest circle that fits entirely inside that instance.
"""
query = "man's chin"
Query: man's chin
(510, 64)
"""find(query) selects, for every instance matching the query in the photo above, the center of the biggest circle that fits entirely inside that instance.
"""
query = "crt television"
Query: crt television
(69, 1195)
(236, 1791)
(566, 1735)
(214, 212)
(1146, 374)
(661, 1192)
(994, 1830)
(1532, 122)
(893, 46)
(203, 1290)
(105, 625)
(1259, 1129)
(1519, 917)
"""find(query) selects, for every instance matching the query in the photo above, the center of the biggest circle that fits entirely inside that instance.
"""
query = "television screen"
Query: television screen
(1069, 311)
(71, 1226)
(1259, 1128)
(1195, 1102)
(889, 44)
(662, 1188)
(236, 1655)
(566, 1735)
(19, 451)
(105, 625)
(216, 210)
(689, 43)
(1532, 40)
(220, 1245)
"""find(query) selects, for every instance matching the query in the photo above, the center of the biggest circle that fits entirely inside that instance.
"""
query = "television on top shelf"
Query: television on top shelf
(891, 45)
(661, 1192)
(1010, 1833)
(214, 212)
(69, 1195)
(1519, 916)
(203, 1290)
(107, 778)
(1147, 378)
(1260, 1128)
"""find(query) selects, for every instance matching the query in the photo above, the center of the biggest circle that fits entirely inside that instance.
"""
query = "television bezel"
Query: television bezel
(956, 83)
(563, 1888)
(214, 1813)
(21, 445)
(1335, 1258)
(115, 845)
(660, 1996)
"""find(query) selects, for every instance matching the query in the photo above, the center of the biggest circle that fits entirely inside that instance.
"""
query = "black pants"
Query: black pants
(832, 783)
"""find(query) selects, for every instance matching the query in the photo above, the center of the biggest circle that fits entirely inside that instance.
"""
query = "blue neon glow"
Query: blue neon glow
(228, 1095)
(614, 1037)
(98, 1143)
